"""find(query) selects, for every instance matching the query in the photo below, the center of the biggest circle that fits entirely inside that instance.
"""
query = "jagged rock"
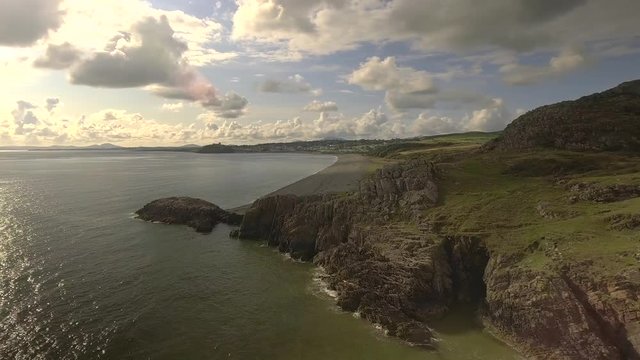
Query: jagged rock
(401, 276)
(624, 221)
(605, 121)
(604, 193)
(199, 214)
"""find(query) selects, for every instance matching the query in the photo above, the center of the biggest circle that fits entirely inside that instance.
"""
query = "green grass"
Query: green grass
(482, 194)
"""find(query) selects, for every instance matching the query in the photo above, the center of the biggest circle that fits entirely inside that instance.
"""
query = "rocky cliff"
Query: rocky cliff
(199, 214)
(609, 120)
(400, 269)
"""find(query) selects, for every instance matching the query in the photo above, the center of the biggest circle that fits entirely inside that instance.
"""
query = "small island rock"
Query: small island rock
(199, 214)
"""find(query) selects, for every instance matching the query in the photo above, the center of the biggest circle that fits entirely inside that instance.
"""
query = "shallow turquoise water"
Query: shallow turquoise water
(81, 279)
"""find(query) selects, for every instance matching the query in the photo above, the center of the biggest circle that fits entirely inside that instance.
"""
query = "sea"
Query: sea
(81, 278)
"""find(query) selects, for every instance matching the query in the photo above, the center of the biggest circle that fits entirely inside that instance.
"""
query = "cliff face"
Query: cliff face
(605, 121)
(398, 269)
(563, 315)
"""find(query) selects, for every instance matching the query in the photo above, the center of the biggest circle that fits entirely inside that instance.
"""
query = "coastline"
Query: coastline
(343, 175)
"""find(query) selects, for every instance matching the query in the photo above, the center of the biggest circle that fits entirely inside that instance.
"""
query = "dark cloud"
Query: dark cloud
(157, 60)
(23, 22)
(295, 84)
(58, 57)
(52, 103)
(148, 56)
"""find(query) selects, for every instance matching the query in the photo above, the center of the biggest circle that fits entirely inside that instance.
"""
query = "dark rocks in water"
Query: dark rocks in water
(609, 120)
(199, 214)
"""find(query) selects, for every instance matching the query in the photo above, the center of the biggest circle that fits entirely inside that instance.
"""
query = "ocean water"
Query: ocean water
(80, 278)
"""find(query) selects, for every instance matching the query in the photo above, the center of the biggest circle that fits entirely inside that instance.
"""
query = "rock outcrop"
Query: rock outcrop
(604, 121)
(199, 214)
(400, 271)
(346, 235)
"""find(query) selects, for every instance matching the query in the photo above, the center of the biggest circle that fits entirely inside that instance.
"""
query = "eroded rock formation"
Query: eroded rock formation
(199, 214)
(399, 271)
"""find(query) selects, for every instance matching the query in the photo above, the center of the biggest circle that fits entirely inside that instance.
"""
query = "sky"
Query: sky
(174, 72)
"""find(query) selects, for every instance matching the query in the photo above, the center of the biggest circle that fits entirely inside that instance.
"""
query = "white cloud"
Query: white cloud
(567, 61)
(32, 124)
(408, 88)
(492, 118)
(294, 84)
(23, 22)
(173, 107)
(90, 24)
(427, 124)
(378, 74)
(373, 124)
(319, 106)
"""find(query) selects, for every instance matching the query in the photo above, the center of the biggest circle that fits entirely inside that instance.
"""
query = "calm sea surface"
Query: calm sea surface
(81, 279)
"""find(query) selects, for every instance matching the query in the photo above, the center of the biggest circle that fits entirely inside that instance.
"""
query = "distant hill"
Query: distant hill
(105, 146)
(609, 120)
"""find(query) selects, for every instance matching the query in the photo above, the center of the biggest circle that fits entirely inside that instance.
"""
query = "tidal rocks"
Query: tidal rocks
(605, 121)
(199, 214)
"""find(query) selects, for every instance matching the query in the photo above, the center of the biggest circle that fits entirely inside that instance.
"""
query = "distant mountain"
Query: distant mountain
(105, 146)
(609, 120)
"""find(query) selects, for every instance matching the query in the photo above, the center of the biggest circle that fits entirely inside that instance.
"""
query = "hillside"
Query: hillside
(608, 121)
(542, 240)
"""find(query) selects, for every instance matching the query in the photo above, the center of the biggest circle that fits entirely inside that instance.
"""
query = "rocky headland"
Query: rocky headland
(199, 214)
(541, 242)
(609, 120)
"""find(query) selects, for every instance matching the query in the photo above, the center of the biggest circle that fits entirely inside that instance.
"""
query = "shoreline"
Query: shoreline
(343, 175)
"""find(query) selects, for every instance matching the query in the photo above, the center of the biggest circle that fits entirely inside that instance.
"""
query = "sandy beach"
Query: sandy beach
(342, 176)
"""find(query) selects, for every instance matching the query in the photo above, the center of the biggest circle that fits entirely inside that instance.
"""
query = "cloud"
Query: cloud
(52, 103)
(58, 57)
(319, 106)
(149, 56)
(492, 118)
(427, 124)
(567, 61)
(25, 120)
(372, 124)
(291, 29)
(408, 88)
(230, 106)
(32, 124)
(23, 22)
(378, 74)
(295, 84)
(173, 107)
(88, 25)
(451, 97)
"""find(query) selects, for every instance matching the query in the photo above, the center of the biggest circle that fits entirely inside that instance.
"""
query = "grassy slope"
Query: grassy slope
(496, 195)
